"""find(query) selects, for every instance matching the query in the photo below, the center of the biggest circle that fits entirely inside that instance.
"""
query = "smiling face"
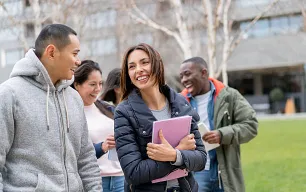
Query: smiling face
(90, 89)
(140, 70)
(66, 60)
(193, 78)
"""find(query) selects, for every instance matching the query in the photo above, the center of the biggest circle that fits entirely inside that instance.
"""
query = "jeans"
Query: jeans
(113, 184)
(206, 184)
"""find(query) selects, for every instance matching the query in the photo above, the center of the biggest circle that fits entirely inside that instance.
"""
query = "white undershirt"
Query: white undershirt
(99, 127)
(202, 103)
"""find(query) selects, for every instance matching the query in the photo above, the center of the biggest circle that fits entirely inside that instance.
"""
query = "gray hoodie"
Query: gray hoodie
(44, 143)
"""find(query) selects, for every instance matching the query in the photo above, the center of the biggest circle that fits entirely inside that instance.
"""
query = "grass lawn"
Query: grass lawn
(275, 161)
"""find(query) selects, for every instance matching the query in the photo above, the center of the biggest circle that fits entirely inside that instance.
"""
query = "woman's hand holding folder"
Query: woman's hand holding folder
(165, 152)
(161, 152)
(187, 143)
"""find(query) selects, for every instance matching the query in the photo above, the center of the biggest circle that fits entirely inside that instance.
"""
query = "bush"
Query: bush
(276, 94)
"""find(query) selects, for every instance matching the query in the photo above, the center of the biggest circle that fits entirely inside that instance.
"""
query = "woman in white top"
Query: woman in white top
(88, 82)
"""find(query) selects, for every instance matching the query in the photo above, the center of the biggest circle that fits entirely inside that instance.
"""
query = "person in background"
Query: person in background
(44, 143)
(88, 82)
(231, 120)
(111, 92)
(145, 99)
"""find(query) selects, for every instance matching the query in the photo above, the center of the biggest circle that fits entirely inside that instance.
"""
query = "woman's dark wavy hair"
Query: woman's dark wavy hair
(83, 71)
(112, 82)
(157, 69)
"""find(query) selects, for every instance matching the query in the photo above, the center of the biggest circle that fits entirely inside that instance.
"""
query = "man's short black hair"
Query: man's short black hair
(57, 34)
(199, 61)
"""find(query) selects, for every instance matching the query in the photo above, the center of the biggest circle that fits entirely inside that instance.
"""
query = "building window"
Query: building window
(29, 30)
(13, 8)
(27, 3)
(144, 38)
(253, 3)
(260, 29)
(9, 34)
(279, 25)
(102, 19)
(274, 26)
(248, 3)
(149, 9)
(104, 46)
(13, 55)
(296, 23)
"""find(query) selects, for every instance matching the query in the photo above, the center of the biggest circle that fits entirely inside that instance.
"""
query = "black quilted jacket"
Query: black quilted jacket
(133, 130)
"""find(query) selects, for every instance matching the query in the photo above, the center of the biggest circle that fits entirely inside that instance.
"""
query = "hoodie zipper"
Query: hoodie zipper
(63, 142)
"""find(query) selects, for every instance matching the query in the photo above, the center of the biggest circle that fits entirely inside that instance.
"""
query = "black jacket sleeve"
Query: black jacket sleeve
(136, 170)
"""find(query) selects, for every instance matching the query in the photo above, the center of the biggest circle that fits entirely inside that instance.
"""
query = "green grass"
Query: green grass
(275, 161)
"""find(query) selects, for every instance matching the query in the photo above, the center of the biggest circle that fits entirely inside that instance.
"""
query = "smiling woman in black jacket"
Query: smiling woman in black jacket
(145, 99)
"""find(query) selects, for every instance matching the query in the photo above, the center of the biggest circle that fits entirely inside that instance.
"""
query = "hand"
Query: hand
(187, 143)
(109, 143)
(161, 152)
(212, 137)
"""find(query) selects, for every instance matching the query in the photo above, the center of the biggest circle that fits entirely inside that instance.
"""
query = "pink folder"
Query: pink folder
(174, 130)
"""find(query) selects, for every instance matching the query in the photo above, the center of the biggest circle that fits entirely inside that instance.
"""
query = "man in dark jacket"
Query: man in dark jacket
(231, 121)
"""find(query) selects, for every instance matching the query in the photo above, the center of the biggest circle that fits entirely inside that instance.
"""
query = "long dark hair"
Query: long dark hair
(112, 82)
(157, 68)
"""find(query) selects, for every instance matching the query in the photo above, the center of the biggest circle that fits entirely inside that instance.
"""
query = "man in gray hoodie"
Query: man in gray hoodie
(44, 144)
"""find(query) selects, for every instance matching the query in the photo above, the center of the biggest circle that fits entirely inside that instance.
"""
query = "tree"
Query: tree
(213, 20)
(13, 22)
(43, 12)
(181, 35)
(216, 17)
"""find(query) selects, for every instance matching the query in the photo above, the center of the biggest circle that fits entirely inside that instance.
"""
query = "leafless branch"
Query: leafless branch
(218, 13)
(253, 22)
(211, 33)
(20, 36)
(182, 27)
(227, 42)
(144, 19)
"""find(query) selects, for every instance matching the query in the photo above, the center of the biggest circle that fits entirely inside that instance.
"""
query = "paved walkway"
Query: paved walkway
(282, 116)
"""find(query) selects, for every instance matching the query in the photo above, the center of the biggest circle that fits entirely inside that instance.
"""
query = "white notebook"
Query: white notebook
(203, 129)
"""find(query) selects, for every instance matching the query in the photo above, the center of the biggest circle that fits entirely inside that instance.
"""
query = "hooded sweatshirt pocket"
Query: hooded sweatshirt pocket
(75, 182)
(50, 182)
(57, 182)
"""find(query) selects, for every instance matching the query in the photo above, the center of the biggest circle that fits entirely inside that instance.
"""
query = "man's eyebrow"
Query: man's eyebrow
(184, 71)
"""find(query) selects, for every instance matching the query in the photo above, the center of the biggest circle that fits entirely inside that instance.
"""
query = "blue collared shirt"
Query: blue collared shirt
(210, 109)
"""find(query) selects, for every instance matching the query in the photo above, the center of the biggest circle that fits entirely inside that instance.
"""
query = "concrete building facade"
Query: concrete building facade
(270, 55)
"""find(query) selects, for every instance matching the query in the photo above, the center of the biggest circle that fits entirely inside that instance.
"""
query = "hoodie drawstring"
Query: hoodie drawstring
(47, 108)
(66, 109)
